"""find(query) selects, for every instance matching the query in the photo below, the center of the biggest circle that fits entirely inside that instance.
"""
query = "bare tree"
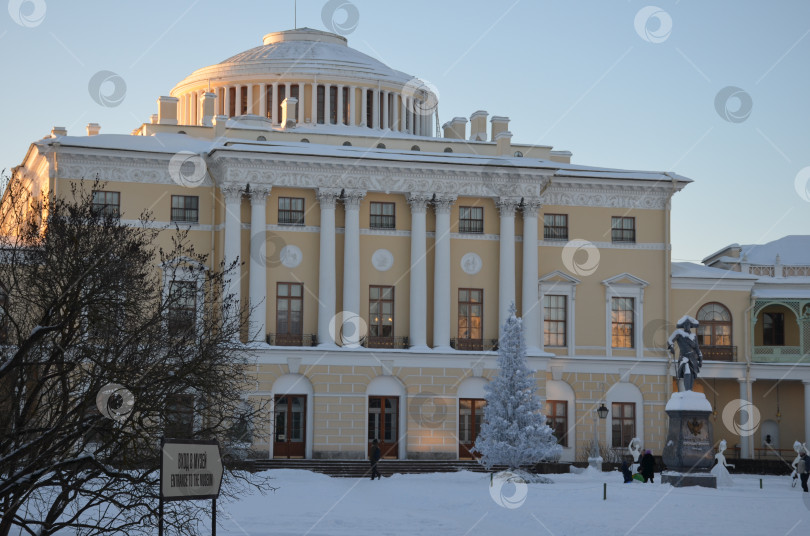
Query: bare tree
(88, 302)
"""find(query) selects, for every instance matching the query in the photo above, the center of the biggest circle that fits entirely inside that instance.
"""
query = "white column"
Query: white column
(287, 93)
(746, 441)
(385, 109)
(364, 111)
(352, 106)
(227, 101)
(395, 112)
(530, 308)
(326, 265)
(340, 118)
(274, 108)
(263, 100)
(417, 119)
(301, 93)
(233, 240)
(238, 100)
(402, 111)
(351, 262)
(506, 271)
(441, 274)
(250, 99)
(327, 104)
(807, 412)
(418, 303)
(375, 118)
(314, 104)
(258, 263)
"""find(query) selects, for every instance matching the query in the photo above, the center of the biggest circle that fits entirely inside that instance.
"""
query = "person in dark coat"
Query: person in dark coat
(647, 466)
(804, 476)
(375, 457)
(628, 476)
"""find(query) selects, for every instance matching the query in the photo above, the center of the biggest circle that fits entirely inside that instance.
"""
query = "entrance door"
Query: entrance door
(470, 416)
(383, 424)
(289, 439)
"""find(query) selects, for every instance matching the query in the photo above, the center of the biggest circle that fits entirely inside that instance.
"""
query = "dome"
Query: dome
(303, 51)
(308, 77)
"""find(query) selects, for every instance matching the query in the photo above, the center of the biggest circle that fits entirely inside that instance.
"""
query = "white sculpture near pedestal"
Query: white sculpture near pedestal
(635, 451)
(720, 469)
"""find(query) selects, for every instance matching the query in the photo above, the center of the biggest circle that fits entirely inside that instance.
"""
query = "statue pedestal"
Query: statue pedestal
(688, 450)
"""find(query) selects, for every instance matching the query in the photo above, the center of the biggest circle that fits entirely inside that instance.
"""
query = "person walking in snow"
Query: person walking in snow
(648, 466)
(804, 474)
(628, 476)
(375, 457)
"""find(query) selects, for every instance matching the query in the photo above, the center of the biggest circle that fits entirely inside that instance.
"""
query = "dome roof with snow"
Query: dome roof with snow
(291, 54)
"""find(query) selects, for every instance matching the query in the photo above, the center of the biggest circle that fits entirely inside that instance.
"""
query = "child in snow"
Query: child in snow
(628, 476)
(648, 466)
(374, 458)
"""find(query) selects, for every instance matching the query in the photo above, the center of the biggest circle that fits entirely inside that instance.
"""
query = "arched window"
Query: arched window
(415, 148)
(448, 150)
(261, 138)
(380, 146)
(715, 331)
(347, 144)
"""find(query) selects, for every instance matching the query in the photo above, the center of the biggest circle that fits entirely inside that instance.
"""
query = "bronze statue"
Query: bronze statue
(690, 360)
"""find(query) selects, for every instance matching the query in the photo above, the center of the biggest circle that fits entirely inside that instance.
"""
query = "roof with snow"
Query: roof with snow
(173, 143)
(699, 271)
(793, 250)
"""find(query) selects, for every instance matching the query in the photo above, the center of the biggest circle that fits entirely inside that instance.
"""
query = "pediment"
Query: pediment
(625, 279)
(558, 277)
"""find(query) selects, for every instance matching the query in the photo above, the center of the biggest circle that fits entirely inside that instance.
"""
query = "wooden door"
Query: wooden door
(289, 433)
(383, 424)
(470, 417)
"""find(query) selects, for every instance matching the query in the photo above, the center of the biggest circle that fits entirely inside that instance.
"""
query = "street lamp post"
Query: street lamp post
(595, 460)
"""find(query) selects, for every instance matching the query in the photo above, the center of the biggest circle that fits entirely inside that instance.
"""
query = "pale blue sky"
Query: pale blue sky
(576, 75)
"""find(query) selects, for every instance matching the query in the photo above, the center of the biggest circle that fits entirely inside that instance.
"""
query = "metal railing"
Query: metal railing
(474, 345)
(292, 339)
(719, 353)
(386, 342)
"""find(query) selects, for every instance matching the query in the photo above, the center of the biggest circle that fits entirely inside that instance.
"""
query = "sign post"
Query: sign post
(189, 470)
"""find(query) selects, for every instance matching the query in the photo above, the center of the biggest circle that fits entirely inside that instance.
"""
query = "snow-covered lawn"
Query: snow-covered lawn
(461, 503)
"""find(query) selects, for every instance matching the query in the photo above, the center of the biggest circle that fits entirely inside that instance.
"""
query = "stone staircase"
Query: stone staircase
(361, 468)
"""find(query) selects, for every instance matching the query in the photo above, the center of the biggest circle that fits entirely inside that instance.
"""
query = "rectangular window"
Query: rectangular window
(380, 316)
(321, 117)
(470, 319)
(623, 423)
(333, 105)
(179, 416)
(554, 321)
(557, 419)
(470, 219)
(621, 319)
(186, 208)
(291, 211)
(3, 316)
(289, 314)
(243, 105)
(773, 329)
(182, 307)
(268, 96)
(555, 227)
(623, 229)
(107, 203)
(370, 108)
(381, 215)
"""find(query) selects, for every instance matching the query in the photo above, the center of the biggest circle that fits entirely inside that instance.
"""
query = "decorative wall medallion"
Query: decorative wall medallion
(471, 263)
(291, 256)
(382, 260)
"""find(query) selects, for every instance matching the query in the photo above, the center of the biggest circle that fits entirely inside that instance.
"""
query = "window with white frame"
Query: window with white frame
(557, 293)
(624, 308)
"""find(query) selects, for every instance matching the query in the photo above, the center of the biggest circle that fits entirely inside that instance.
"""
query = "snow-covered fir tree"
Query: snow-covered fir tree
(514, 432)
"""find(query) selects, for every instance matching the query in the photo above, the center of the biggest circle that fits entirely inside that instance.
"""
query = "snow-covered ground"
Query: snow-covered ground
(462, 503)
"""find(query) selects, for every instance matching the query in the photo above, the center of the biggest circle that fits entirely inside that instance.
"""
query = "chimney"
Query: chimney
(58, 131)
(153, 119)
(288, 112)
(456, 128)
(219, 125)
(167, 110)
(207, 104)
(478, 126)
(93, 129)
(499, 124)
(503, 143)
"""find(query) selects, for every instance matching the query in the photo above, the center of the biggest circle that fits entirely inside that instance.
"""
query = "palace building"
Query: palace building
(380, 253)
